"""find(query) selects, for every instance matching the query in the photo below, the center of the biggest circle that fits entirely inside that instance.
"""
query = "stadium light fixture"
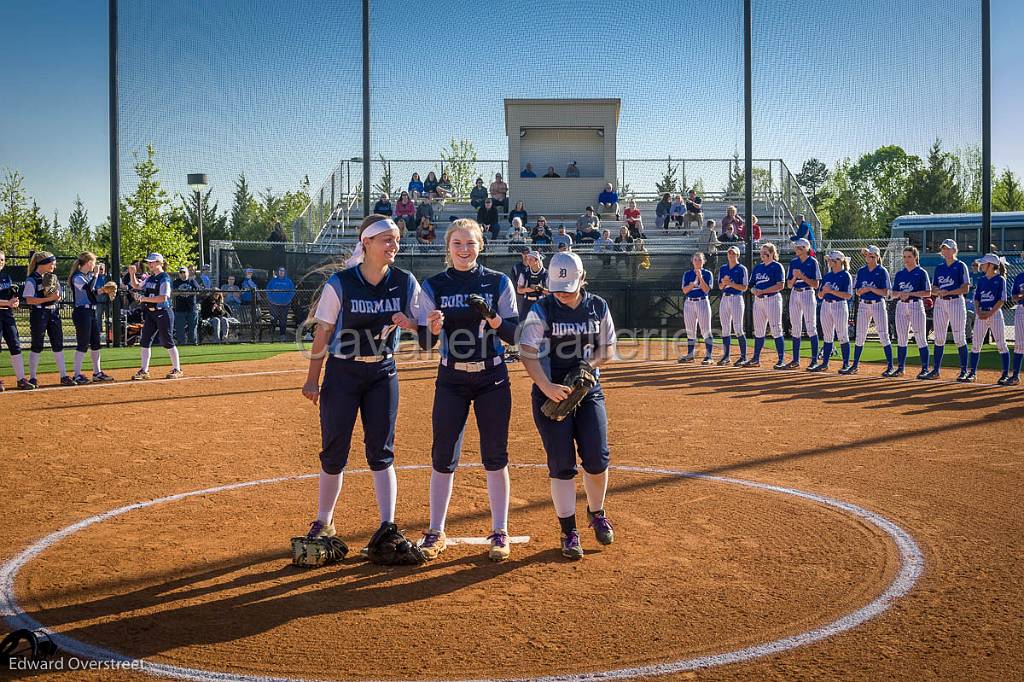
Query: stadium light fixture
(197, 182)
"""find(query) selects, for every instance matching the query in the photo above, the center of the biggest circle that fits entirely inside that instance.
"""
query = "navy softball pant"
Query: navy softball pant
(369, 389)
(585, 431)
(157, 323)
(9, 331)
(87, 329)
(45, 322)
(491, 396)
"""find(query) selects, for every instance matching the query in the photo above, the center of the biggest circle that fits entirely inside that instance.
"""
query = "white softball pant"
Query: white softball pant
(730, 312)
(768, 311)
(803, 311)
(950, 313)
(697, 312)
(877, 311)
(998, 328)
(1018, 329)
(835, 321)
(910, 317)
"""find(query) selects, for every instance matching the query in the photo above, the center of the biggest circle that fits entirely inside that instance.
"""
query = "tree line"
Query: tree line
(151, 219)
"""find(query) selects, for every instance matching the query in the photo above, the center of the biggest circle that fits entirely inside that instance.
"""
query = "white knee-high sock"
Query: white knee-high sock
(18, 363)
(175, 360)
(498, 491)
(62, 366)
(596, 486)
(440, 497)
(147, 353)
(330, 488)
(79, 359)
(95, 361)
(33, 363)
(563, 495)
(385, 485)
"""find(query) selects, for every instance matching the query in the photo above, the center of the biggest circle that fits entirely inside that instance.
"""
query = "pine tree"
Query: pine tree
(1006, 193)
(15, 229)
(668, 183)
(812, 176)
(935, 188)
(78, 236)
(736, 185)
(149, 221)
(244, 212)
(215, 224)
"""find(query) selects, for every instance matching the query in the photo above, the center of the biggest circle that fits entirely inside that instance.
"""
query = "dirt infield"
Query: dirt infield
(699, 566)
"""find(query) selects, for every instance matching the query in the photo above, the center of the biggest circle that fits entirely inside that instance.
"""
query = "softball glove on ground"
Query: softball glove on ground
(580, 381)
(479, 304)
(312, 552)
(388, 547)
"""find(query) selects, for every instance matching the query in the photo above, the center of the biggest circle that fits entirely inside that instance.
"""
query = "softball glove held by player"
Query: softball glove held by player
(312, 552)
(49, 284)
(388, 547)
(479, 304)
(580, 381)
(110, 289)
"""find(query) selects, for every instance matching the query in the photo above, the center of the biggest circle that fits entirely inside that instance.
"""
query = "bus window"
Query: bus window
(1013, 240)
(916, 238)
(935, 239)
(967, 240)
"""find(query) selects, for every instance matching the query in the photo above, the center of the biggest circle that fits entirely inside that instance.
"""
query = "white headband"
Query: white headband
(372, 230)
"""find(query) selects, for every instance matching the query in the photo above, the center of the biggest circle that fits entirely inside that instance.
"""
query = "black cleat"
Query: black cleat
(818, 369)
(1002, 380)
(889, 372)
(898, 372)
(1013, 381)
(969, 378)
(846, 371)
(926, 375)
(963, 375)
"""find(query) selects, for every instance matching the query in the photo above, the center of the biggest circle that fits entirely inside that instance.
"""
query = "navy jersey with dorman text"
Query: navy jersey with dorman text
(362, 312)
(8, 290)
(34, 288)
(564, 336)
(157, 285)
(465, 336)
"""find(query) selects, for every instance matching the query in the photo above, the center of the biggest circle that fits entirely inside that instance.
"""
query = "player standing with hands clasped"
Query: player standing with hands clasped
(87, 327)
(804, 273)
(358, 316)
(950, 284)
(42, 294)
(472, 309)
(836, 290)
(872, 287)
(910, 287)
(566, 337)
(1017, 294)
(989, 298)
(697, 309)
(768, 281)
(9, 302)
(157, 318)
(732, 280)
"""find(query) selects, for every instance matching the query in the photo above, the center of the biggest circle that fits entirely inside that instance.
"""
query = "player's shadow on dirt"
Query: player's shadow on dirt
(909, 396)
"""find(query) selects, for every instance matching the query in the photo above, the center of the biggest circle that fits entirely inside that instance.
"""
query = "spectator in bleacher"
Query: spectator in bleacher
(661, 211)
(755, 228)
(694, 210)
(247, 297)
(519, 212)
(541, 233)
(405, 208)
(445, 190)
(633, 220)
(609, 200)
(425, 233)
(804, 230)
(562, 238)
(403, 228)
(729, 234)
(487, 216)
(383, 206)
(732, 218)
(572, 170)
(551, 173)
(588, 234)
(528, 171)
(186, 307)
(415, 186)
(518, 233)
(499, 192)
(707, 241)
(280, 293)
(588, 218)
(623, 243)
(277, 234)
(424, 210)
(205, 283)
(678, 210)
(604, 246)
(430, 185)
(231, 295)
(216, 311)
(477, 194)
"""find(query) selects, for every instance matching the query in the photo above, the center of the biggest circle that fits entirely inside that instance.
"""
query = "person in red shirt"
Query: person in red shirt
(754, 226)
(633, 221)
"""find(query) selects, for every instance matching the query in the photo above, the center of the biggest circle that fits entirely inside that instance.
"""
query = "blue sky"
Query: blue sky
(273, 89)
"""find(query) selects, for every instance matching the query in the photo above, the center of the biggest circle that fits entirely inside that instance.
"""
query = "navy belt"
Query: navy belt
(951, 298)
(88, 307)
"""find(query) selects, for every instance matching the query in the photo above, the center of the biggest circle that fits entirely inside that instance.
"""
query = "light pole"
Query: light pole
(197, 182)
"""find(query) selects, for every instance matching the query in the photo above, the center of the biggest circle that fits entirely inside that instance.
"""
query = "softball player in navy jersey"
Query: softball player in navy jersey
(569, 327)
(697, 309)
(802, 279)
(87, 326)
(531, 280)
(835, 290)
(1017, 294)
(358, 316)
(472, 372)
(768, 279)
(44, 317)
(910, 287)
(9, 302)
(950, 284)
(733, 281)
(990, 296)
(873, 287)
(154, 295)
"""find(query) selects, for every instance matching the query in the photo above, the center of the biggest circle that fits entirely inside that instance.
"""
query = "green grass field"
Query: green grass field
(121, 358)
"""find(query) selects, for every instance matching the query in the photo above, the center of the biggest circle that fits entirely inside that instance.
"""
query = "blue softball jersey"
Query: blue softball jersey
(690, 277)
(809, 267)
(157, 285)
(836, 281)
(912, 280)
(1018, 287)
(738, 275)
(767, 276)
(878, 278)
(564, 335)
(951, 277)
(988, 291)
